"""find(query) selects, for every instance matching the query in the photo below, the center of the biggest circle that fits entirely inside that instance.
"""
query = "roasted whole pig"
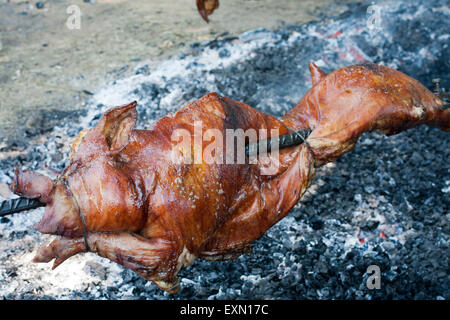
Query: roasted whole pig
(127, 198)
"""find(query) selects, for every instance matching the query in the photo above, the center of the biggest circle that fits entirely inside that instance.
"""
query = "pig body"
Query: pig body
(135, 205)
(126, 196)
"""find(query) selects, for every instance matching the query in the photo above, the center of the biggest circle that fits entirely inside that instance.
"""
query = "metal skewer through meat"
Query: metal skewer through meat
(133, 197)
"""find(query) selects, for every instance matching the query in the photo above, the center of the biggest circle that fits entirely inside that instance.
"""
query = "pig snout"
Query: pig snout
(32, 185)
(61, 215)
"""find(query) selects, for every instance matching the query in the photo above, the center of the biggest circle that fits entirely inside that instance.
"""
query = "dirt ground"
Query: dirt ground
(47, 70)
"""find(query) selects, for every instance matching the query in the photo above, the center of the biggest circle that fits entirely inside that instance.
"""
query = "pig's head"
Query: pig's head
(96, 191)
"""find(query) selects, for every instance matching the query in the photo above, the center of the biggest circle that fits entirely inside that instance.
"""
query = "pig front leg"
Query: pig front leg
(153, 259)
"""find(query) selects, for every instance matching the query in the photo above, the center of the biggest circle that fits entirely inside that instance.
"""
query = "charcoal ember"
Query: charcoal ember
(370, 225)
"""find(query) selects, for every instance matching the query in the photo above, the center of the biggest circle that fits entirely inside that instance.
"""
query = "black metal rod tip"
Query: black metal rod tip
(17, 205)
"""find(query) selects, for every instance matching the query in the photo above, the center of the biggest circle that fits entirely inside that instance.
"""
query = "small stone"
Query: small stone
(391, 275)
(96, 269)
(300, 247)
(321, 267)
(388, 245)
(5, 220)
(278, 255)
(39, 5)
(370, 225)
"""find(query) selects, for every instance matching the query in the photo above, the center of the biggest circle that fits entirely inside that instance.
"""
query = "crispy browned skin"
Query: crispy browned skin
(148, 213)
(207, 7)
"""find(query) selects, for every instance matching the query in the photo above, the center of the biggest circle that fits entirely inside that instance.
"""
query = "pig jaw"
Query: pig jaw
(61, 215)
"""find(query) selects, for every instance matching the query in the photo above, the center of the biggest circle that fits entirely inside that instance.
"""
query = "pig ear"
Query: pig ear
(316, 73)
(116, 125)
